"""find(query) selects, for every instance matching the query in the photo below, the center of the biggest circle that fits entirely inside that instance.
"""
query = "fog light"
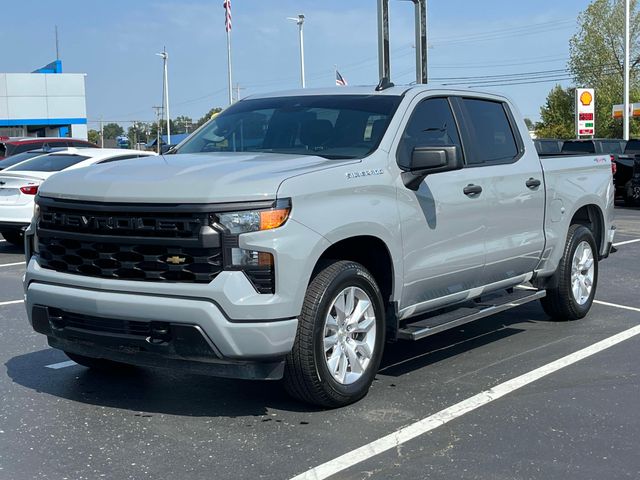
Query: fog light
(250, 258)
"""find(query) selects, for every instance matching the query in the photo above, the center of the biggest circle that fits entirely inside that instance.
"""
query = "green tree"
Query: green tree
(139, 132)
(207, 116)
(530, 125)
(557, 116)
(94, 136)
(597, 59)
(183, 124)
(112, 130)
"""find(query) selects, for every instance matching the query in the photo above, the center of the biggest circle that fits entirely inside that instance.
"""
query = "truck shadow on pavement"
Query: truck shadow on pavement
(166, 392)
(404, 357)
(149, 390)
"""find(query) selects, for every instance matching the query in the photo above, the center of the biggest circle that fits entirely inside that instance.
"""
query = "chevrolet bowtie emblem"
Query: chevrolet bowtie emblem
(175, 260)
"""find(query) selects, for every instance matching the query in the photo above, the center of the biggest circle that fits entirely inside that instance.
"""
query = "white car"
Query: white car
(19, 183)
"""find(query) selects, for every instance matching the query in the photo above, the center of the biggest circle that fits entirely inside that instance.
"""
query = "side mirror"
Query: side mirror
(429, 160)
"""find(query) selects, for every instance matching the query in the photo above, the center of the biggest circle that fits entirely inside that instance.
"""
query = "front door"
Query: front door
(443, 228)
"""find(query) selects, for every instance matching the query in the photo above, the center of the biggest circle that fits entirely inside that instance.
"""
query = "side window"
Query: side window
(492, 139)
(431, 124)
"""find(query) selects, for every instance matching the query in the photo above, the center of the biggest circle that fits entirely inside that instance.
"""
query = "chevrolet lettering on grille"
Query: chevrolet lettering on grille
(94, 222)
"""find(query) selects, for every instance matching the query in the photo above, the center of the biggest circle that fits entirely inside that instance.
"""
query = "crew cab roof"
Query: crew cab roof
(396, 90)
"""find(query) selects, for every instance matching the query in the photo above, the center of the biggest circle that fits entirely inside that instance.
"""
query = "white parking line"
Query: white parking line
(436, 420)
(11, 302)
(11, 264)
(624, 307)
(58, 366)
(626, 242)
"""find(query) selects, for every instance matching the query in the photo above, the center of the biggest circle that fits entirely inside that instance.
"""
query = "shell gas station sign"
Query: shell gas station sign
(585, 112)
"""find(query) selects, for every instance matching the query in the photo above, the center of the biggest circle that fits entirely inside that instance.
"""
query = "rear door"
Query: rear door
(512, 184)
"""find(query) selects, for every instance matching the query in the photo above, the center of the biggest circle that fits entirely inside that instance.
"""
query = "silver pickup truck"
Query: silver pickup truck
(296, 233)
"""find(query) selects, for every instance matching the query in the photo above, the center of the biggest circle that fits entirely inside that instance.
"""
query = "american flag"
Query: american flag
(340, 81)
(227, 19)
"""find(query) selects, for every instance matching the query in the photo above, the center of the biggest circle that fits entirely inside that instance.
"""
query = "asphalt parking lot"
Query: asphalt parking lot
(577, 421)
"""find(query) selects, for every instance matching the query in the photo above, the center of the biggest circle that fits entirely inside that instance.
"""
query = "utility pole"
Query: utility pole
(57, 45)
(300, 22)
(227, 26)
(627, 113)
(101, 133)
(238, 88)
(165, 90)
(158, 130)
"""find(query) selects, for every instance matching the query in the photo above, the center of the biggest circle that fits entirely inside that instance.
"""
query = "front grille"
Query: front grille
(130, 261)
(111, 223)
(98, 240)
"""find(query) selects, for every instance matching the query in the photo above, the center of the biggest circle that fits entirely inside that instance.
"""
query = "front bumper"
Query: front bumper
(203, 340)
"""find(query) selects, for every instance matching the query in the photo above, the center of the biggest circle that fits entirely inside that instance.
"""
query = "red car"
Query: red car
(10, 146)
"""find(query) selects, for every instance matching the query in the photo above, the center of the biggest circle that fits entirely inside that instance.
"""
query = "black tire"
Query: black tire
(101, 364)
(14, 237)
(307, 376)
(560, 303)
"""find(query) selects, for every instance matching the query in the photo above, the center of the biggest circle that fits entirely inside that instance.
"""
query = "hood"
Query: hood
(187, 178)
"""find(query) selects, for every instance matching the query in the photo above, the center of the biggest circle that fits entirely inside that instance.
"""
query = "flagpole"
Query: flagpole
(229, 66)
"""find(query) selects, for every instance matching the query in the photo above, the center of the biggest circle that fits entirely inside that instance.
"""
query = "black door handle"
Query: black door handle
(533, 183)
(471, 190)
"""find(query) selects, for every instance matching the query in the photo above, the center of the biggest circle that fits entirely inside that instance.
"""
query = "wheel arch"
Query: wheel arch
(592, 217)
(374, 254)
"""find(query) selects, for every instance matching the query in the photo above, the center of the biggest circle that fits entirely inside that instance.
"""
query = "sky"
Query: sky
(114, 43)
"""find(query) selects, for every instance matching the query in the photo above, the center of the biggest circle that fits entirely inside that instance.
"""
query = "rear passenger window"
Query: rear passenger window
(432, 124)
(492, 139)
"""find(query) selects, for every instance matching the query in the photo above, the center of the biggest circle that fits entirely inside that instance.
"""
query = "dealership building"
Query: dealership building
(45, 103)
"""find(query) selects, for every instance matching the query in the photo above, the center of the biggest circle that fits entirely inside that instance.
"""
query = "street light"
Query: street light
(300, 22)
(165, 90)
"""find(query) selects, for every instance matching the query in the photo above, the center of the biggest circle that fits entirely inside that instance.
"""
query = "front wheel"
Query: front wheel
(340, 337)
(577, 277)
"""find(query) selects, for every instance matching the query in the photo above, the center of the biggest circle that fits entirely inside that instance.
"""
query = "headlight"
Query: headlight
(254, 220)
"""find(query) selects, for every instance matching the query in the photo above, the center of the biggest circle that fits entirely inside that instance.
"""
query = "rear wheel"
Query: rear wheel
(577, 277)
(101, 364)
(340, 337)
(14, 237)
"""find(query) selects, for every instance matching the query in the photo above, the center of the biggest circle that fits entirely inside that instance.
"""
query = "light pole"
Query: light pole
(627, 113)
(165, 89)
(300, 22)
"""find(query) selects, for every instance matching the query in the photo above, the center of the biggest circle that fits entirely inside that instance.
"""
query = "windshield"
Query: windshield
(339, 126)
(47, 163)
(21, 157)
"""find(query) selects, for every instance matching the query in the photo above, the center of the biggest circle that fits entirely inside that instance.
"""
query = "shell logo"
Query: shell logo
(586, 98)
